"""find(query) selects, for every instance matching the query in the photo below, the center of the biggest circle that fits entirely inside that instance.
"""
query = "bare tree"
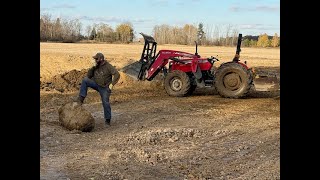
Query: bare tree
(162, 33)
(45, 27)
(234, 38)
(216, 33)
(104, 33)
(88, 31)
(208, 32)
(191, 33)
(228, 29)
(78, 27)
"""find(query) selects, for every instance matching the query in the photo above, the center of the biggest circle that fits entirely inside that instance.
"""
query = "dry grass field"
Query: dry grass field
(153, 135)
(58, 58)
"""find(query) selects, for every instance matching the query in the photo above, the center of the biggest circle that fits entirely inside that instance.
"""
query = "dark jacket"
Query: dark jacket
(102, 74)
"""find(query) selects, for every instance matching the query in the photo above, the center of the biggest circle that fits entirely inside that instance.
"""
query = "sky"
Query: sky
(249, 17)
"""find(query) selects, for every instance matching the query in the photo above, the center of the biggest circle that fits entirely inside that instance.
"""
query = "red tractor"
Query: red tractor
(184, 72)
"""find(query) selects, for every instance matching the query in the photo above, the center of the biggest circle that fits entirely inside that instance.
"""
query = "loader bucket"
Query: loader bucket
(135, 69)
(132, 69)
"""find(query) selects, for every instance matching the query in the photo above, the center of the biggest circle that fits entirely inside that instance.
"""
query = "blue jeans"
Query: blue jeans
(103, 91)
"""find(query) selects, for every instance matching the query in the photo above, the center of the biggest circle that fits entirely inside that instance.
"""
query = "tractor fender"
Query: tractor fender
(244, 65)
(241, 63)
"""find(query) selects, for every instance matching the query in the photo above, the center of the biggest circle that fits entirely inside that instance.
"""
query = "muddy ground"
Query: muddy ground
(155, 136)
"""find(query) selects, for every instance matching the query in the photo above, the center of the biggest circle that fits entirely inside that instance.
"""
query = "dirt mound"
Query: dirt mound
(69, 81)
(74, 117)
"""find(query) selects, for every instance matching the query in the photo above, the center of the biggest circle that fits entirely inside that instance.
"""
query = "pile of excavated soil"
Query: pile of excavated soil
(71, 81)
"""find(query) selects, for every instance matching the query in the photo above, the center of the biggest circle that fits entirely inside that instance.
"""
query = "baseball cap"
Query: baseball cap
(98, 55)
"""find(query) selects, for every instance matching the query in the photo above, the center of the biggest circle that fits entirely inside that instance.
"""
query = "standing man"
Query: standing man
(101, 77)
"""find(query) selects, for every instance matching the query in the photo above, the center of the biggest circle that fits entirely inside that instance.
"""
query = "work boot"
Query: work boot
(78, 99)
(107, 122)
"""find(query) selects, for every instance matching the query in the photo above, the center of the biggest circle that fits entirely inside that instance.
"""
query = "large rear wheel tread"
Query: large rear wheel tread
(233, 80)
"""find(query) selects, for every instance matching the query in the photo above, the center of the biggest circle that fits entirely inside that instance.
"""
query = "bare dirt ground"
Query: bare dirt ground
(153, 135)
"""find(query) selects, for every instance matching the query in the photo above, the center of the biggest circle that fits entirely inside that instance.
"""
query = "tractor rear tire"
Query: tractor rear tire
(177, 83)
(232, 80)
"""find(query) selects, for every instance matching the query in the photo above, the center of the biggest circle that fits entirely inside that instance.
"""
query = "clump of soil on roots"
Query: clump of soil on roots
(75, 117)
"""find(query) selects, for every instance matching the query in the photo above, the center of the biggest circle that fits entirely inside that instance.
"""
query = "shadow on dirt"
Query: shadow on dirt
(252, 94)
(264, 94)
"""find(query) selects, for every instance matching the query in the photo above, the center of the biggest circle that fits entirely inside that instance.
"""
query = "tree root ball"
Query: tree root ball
(75, 117)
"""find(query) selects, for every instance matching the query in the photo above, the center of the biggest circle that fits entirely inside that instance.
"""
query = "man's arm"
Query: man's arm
(91, 72)
(116, 75)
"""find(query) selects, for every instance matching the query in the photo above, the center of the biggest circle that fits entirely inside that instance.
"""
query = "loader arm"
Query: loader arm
(151, 63)
(162, 59)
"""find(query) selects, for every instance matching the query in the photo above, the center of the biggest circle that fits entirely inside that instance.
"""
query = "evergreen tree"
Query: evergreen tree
(57, 30)
(246, 43)
(93, 34)
(200, 33)
(253, 43)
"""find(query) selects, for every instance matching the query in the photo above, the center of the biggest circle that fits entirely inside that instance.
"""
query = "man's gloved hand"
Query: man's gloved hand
(110, 86)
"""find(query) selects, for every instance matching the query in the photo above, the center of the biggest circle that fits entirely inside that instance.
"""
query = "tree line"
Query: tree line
(61, 30)
(261, 41)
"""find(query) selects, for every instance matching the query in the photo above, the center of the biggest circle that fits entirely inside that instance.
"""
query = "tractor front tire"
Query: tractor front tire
(177, 83)
(232, 80)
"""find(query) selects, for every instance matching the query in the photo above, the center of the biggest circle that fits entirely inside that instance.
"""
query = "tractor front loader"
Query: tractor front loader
(184, 72)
